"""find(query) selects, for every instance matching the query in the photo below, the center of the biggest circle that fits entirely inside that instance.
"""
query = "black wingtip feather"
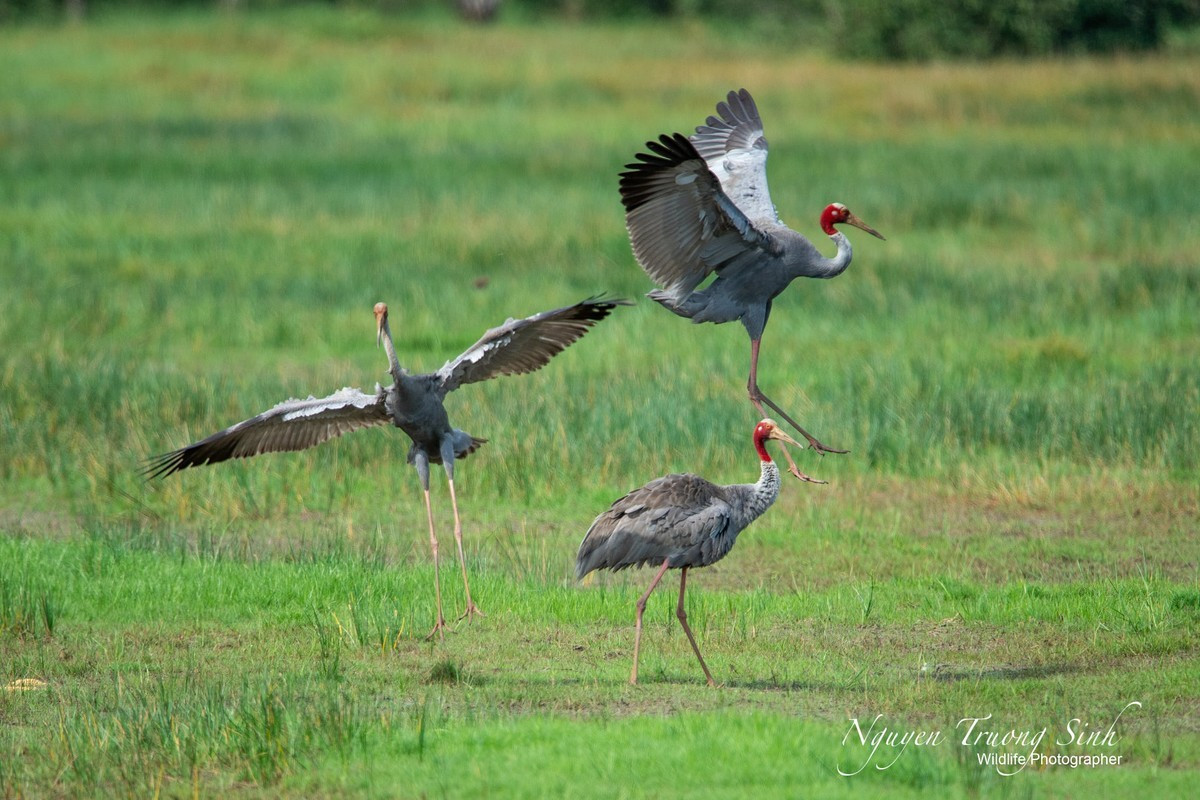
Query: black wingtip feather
(161, 466)
(155, 468)
(213, 450)
(597, 307)
(668, 152)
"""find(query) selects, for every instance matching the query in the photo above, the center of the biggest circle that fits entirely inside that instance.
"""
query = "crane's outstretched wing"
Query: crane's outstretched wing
(681, 223)
(684, 518)
(524, 345)
(291, 425)
(736, 152)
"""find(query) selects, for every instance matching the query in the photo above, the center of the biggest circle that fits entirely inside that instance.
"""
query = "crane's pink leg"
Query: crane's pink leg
(758, 398)
(440, 626)
(462, 559)
(641, 607)
(682, 614)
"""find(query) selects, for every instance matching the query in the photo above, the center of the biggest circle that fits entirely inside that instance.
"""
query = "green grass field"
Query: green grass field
(197, 214)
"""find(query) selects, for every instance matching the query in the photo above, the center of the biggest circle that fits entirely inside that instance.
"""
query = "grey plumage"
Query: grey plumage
(679, 521)
(290, 425)
(685, 519)
(413, 403)
(523, 345)
(699, 206)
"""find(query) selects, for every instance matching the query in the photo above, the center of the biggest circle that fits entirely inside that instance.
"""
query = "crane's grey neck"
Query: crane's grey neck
(765, 491)
(837, 265)
(393, 360)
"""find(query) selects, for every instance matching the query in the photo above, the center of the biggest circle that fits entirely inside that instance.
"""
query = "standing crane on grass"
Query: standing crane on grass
(701, 205)
(413, 403)
(679, 522)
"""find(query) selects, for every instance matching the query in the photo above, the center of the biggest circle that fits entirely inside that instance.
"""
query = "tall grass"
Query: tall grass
(165, 229)
(26, 608)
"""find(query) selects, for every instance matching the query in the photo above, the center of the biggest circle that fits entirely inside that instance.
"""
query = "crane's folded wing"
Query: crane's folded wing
(680, 517)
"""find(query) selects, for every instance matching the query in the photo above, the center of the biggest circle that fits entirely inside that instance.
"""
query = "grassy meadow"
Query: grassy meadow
(197, 214)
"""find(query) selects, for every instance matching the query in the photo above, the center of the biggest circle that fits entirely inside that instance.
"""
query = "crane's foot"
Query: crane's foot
(792, 468)
(472, 611)
(758, 398)
(439, 629)
(820, 448)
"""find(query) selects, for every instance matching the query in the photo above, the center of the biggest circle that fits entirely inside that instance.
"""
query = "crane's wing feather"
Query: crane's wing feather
(736, 152)
(291, 425)
(677, 517)
(681, 223)
(524, 345)
(739, 128)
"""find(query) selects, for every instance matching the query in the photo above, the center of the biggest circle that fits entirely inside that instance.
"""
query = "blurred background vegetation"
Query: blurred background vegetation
(902, 30)
(201, 205)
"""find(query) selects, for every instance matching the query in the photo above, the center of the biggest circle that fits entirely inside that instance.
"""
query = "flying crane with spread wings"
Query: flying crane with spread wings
(698, 205)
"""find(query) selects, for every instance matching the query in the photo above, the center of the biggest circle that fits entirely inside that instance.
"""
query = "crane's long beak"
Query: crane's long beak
(782, 435)
(851, 219)
(380, 321)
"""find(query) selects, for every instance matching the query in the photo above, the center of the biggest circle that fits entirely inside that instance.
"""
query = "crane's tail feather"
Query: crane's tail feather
(687, 306)
(464, 445)
(471, 447)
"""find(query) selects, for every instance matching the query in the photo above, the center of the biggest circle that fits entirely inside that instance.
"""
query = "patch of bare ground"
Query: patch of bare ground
(38, 524)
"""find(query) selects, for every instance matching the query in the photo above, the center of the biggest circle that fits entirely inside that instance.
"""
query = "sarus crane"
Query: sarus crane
(701, 205)
(414, 403)
(679, 522)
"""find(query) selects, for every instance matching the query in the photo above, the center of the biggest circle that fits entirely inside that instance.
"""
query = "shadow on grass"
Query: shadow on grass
(753, 684)
(451, 674)
(947, 674)
(941, 673)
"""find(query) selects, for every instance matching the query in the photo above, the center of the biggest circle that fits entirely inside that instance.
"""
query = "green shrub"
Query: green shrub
(924, 29)
(872, 29)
